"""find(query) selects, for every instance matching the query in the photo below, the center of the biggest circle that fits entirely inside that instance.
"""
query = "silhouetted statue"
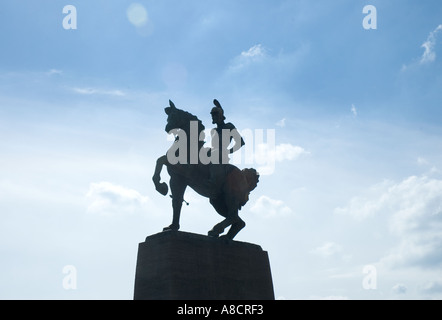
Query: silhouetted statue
(205, 170)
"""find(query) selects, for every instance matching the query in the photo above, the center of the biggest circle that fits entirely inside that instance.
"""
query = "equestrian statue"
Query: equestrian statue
(205, 170)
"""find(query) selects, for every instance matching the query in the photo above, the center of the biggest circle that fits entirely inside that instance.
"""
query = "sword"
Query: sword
(187, 203)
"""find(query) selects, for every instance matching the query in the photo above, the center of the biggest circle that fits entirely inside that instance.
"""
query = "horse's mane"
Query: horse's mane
(190, 117)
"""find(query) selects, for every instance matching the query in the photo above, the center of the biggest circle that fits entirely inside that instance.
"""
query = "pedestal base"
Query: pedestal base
(183, 266)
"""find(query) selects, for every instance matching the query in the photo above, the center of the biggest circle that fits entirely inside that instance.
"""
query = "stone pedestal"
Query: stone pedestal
(183, 266)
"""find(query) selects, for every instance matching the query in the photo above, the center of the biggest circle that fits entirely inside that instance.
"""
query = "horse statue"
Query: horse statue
(227, 195)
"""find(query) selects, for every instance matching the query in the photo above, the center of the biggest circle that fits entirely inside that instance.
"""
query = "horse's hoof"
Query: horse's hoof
(172, 228)
(213, 234)
(162, 188)
(225, 238)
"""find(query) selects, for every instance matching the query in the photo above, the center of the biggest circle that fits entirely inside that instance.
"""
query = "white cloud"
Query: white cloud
(269, 208)
(422, 161)
(258, 54)
(107, 199)
(328, 249)
(281, 123)
(256, 51)
(286, 151)
(266, 67)
(93, 91)
(429, 54)
(368, 204)
(267, 155)
(433, 287)
(413, 211)
(254, 54)
(279, 153)
(54, 72)
(354, 111)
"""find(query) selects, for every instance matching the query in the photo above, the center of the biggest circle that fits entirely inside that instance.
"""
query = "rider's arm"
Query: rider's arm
(238, 140)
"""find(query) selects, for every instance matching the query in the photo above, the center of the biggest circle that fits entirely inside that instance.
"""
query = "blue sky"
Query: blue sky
(356, 112)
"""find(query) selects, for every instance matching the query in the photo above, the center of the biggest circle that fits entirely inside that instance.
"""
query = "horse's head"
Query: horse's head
(174, 118)
(179, 119)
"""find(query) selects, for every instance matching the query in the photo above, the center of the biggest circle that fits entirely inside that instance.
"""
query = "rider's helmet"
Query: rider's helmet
(217, 109)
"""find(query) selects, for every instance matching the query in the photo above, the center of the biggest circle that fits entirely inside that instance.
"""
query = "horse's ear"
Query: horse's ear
(172, 107)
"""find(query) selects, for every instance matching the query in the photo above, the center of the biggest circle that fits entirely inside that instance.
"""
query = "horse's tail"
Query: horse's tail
(252, 177)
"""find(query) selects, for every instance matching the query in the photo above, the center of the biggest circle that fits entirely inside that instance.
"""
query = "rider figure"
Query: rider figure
(222, 132)
(222, 137)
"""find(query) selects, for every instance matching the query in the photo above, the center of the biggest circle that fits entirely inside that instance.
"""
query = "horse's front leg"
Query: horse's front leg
(159, 166)
(178, 187)
(160, 187)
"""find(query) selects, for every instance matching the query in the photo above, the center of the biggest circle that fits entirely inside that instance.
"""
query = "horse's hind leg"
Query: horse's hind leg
(229, 210)
(236, 227)
(233, 216)
(237, 224)
(219, 228)
(221, 208)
